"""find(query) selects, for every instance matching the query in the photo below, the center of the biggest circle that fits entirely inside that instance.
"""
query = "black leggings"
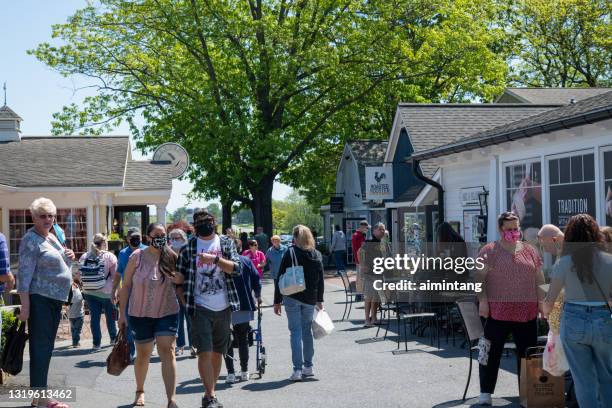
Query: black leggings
(241, 333)
(524, 334)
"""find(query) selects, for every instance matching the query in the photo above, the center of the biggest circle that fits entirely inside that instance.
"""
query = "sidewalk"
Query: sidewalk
(347, 374)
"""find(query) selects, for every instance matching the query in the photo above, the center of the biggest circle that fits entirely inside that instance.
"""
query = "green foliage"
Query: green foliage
(179, 214)
(255, 90)
(8, 319)
(114, 237)
(296, 210)
(215, 209)
(562, 42)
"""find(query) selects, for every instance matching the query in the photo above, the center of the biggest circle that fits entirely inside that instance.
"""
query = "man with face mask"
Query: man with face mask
(209, 263)
(134, 242)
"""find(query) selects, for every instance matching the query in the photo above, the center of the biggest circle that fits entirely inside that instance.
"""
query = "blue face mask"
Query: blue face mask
(176, 244)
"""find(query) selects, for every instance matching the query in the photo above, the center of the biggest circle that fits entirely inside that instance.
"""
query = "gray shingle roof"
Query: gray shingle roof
(56, 161)
(551, 95)
(589, 110)
(146, 175)
(8, 113)
(367, 153)
(410, 194)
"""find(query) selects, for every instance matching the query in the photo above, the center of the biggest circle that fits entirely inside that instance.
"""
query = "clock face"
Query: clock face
(176, 155)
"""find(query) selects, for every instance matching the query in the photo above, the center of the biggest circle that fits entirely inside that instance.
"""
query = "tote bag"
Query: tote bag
(292, 281)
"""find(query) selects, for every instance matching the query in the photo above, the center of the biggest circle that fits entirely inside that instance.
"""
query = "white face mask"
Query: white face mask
(176, 244)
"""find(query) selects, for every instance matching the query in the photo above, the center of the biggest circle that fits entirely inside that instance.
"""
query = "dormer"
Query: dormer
(9, 125)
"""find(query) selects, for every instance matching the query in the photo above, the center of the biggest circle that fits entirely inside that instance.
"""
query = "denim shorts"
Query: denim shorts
(145, 329)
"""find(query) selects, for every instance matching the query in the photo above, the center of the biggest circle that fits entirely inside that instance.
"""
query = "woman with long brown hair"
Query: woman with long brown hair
(585, 272)
(149, 284)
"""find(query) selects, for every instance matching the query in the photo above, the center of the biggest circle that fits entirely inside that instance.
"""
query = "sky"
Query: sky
(35, 92)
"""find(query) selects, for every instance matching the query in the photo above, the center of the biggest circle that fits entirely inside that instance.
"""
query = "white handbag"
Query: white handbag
(292, 281)
(322, 324)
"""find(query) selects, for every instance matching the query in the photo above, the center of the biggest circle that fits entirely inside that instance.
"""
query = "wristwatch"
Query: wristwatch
(216, 261)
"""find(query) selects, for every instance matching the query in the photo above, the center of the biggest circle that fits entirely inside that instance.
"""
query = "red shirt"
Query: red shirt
(511, 282)
(357, 240)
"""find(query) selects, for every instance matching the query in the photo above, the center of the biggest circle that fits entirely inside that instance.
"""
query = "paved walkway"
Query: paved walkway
(347, 374)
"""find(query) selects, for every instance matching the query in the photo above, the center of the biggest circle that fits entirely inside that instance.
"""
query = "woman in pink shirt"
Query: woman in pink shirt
(150, 282)
(257, 257)
(509, 300)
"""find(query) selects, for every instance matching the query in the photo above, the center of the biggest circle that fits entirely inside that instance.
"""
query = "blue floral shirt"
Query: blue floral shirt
(43, 268)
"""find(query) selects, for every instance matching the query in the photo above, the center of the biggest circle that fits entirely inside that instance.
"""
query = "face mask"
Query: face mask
(176, 244)
(158, 242)
(512, 236)
(205, 229)
(135, 241)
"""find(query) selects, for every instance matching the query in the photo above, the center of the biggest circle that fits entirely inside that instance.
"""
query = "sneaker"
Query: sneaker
(244, 376)
(97, 348)
(296, 376)
(193, 352)
(308, 372)
(485, 399)
(230, 379)
(211, 403)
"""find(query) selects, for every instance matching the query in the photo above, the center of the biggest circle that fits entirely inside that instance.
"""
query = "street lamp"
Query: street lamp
(482, 218)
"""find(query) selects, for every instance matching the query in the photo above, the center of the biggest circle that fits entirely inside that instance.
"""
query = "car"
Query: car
(286, 239)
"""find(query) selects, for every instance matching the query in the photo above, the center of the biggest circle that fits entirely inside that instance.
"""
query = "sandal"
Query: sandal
(139, 401)
(55, 404)
(34, 402)
(172, 404)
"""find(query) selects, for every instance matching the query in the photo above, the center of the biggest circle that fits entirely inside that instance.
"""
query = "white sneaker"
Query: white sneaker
(307, 372)
(230, 379)
(485, 399)
(296, 376)
(244, 376)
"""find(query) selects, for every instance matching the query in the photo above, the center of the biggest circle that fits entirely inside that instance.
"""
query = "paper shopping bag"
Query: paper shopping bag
(538, 388)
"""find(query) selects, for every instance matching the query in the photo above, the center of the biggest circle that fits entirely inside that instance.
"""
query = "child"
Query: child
(76, 313)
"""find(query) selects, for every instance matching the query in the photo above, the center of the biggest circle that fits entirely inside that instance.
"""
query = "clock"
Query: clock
(176, 155)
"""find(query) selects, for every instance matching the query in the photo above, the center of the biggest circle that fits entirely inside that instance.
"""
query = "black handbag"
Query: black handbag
(12, 353)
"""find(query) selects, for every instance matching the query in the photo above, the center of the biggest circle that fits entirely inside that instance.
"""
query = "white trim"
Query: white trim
(419, 199)
(400, 204)
(67, 189)
(601, 214)
(10, 189)
(393, 137)
(147, 193)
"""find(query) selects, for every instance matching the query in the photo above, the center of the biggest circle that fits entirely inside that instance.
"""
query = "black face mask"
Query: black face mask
(205, 229)
(159, 242)
(135, 241)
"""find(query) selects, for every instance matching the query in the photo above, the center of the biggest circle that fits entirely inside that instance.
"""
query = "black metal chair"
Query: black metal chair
(350, 291)
(473, 329)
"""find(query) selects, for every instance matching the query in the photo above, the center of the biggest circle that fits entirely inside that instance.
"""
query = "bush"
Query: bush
(8, 319)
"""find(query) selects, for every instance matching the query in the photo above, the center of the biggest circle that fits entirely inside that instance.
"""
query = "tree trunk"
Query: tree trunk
(226, 208)
(262, 205)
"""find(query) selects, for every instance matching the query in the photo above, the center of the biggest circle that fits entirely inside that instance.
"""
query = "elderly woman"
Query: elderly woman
(44, 279)
(103, 264)
(178, 239)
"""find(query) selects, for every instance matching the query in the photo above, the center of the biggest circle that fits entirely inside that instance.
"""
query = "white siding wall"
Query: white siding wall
(458, 176)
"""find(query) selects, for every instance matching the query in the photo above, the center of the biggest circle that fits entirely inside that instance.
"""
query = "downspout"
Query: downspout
(437, 186)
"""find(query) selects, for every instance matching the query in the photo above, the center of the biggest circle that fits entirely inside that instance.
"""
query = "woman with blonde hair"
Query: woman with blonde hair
(44, 279)
(300, 306)
(98, 268)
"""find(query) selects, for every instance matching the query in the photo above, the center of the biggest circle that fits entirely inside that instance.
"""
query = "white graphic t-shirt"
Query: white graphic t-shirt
(211, 291)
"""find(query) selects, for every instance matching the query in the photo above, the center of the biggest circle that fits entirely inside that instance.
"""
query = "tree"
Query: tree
(563, 43)
(256, 90)
(215, 210)
(298, 211)
(179, 214)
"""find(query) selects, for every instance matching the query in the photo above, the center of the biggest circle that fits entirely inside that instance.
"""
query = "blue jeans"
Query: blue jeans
(300, 317)
(339, 257)
(586, 335)
(45, 315)
(183, 316)
(76, 325)
(97, 306)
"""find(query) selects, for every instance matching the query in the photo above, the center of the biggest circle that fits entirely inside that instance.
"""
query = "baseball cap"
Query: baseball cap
(133, 231)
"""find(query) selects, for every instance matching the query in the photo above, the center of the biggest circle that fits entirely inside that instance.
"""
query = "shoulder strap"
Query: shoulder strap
(603, 294)
(294, 261)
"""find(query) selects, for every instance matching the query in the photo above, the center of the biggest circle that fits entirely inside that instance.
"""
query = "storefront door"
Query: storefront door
(350, 226)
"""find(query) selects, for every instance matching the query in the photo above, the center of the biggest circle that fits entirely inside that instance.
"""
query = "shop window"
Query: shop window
(524, 192)
(72, 220)
(573, 192)
(607, 166)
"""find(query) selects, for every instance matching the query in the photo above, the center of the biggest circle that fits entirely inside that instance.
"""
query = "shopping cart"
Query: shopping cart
(260, 349)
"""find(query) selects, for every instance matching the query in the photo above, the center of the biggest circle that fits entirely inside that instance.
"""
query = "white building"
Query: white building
(546, 167)
(93, 181)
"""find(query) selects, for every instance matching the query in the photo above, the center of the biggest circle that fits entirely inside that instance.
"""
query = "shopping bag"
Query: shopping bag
(538, 388)
(322, 324)
(292, 281)
(554, 360)
(119, 358)
(12, 353)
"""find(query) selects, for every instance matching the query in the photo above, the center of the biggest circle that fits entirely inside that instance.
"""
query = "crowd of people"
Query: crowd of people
(193, 286)
(188, 277)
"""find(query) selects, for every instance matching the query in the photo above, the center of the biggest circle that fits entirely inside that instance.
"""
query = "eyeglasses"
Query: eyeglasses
(45, 216)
